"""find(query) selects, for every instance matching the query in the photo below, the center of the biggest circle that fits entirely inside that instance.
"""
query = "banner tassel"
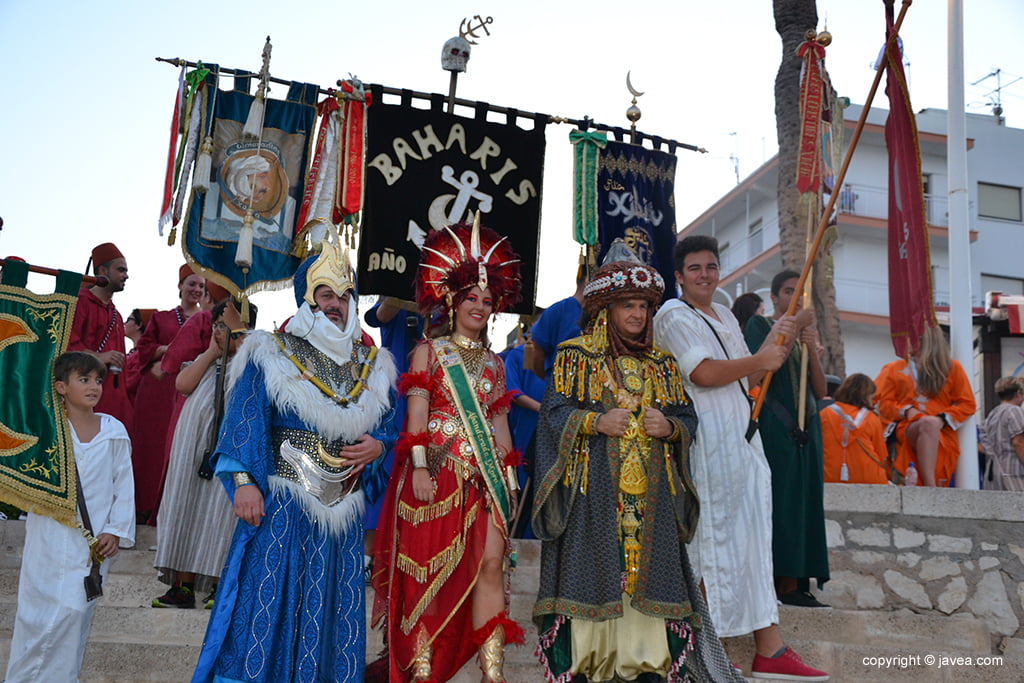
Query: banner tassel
(254, 124)
(204, 166)
(243, 251)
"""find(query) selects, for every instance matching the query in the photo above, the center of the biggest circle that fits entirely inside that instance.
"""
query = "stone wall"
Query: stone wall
(947, 551)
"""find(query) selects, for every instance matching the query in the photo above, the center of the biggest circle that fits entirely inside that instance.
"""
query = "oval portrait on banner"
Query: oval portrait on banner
(253, 175)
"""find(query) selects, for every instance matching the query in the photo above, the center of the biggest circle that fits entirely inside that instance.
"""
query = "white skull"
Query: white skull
(455, 54)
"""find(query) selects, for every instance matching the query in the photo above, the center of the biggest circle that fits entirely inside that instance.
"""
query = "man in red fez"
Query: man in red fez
(98, 328)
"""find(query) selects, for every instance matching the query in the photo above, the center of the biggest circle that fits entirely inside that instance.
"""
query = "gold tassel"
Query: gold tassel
(172, 236)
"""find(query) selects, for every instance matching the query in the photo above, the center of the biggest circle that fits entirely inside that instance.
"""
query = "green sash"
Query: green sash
(477, 428)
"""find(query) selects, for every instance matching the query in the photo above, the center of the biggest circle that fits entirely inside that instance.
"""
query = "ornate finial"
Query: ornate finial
(633, 113)
(456, 50)
(468, 31)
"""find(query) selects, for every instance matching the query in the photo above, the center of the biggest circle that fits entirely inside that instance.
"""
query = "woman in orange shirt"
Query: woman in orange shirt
(929, 398)
(851, 435)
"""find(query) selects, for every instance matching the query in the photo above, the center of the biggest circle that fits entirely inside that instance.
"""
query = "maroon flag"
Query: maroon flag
(911, 307)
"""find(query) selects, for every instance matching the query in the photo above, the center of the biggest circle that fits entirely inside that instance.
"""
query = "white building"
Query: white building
(745, 221)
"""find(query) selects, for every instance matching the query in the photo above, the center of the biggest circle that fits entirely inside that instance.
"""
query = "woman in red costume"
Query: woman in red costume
(440, 570)
(156, 396)
(928, 397)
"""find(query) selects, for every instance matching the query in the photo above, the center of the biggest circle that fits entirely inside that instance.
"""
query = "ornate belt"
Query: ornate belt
(313, 463)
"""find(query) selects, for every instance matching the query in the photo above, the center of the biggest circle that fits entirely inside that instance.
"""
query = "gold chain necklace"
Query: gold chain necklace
(307, 374)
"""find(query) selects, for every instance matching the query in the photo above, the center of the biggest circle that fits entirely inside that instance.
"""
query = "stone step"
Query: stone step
(163, 645)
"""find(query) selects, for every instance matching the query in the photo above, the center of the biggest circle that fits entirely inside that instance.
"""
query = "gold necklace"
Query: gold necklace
(308, 375)
(466, 343)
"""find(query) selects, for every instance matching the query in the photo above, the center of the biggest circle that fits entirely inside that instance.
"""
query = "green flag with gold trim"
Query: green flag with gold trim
(36, 465)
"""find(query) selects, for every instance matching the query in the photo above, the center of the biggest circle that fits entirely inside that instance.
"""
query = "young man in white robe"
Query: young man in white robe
(54, 617)
(732, 549)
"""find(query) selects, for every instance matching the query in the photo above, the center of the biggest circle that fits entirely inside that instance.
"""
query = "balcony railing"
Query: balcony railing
(873, 202)
(753, 246)
(866, 296)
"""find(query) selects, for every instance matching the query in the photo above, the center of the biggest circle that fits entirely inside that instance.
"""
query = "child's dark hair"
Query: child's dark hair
(218, 310)
(81, 362)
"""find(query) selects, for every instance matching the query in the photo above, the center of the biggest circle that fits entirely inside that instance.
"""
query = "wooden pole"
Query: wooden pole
(53, 272)
(833, 197)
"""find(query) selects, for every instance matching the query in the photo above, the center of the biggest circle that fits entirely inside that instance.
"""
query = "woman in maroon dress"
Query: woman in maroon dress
(156, 396)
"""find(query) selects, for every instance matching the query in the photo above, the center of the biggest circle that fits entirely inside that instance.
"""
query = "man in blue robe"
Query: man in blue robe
(310, 413)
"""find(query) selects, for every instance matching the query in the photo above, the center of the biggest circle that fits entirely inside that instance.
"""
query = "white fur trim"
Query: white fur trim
(288, 391)
(336, 520)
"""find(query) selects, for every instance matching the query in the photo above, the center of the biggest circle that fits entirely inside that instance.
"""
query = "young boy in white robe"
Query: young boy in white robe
(54, 617)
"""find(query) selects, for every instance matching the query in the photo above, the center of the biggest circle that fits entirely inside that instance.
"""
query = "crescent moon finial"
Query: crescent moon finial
(629, 86)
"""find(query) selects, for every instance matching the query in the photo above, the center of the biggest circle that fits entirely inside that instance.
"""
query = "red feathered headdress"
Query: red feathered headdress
(459, 257)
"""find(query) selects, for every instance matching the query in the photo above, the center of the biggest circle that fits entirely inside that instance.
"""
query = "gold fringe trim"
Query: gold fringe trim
(452, 557)
(426, 513)
(580, 373)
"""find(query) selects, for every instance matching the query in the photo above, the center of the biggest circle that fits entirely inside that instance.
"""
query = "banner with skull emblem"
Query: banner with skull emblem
(636, 201)
(427, 169)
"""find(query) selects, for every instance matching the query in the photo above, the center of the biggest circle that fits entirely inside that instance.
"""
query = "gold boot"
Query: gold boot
(492, 656)
(421, 664)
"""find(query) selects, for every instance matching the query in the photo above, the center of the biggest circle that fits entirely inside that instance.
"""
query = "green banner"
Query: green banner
(36, 466)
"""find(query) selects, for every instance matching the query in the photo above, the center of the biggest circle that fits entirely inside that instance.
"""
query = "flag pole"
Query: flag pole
(959, 238)
(833, 197)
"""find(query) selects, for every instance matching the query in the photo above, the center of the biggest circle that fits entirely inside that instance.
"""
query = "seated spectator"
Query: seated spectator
(1003, 437)
(928, 397)
(851, 435)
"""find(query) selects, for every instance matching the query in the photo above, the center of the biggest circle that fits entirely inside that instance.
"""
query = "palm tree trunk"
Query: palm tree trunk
(793, 19)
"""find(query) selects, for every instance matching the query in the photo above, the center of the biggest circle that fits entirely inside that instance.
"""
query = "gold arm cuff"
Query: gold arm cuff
(418, 391)
(588, 426)
(243, 479)
(419, 457)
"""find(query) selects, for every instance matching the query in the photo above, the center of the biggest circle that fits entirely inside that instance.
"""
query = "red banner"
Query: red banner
(911, 307)
(808, 171)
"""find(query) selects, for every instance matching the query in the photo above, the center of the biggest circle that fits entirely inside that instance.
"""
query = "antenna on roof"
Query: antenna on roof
(995, 96)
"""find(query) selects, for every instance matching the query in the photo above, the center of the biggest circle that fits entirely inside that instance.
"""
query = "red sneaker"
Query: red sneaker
(786, 667)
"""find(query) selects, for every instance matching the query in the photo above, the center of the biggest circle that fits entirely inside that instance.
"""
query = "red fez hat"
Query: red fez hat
(184, 272)
(15, 258)
(146, 314)
(105, 253)
(217, 293)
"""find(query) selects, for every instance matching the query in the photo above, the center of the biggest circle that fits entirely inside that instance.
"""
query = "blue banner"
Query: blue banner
(269, 172)
(636, 202)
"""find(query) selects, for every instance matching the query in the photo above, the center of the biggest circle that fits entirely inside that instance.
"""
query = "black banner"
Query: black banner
(636, 202)
(427, 169)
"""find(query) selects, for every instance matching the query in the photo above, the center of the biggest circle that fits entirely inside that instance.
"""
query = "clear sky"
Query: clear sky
(86, 109)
